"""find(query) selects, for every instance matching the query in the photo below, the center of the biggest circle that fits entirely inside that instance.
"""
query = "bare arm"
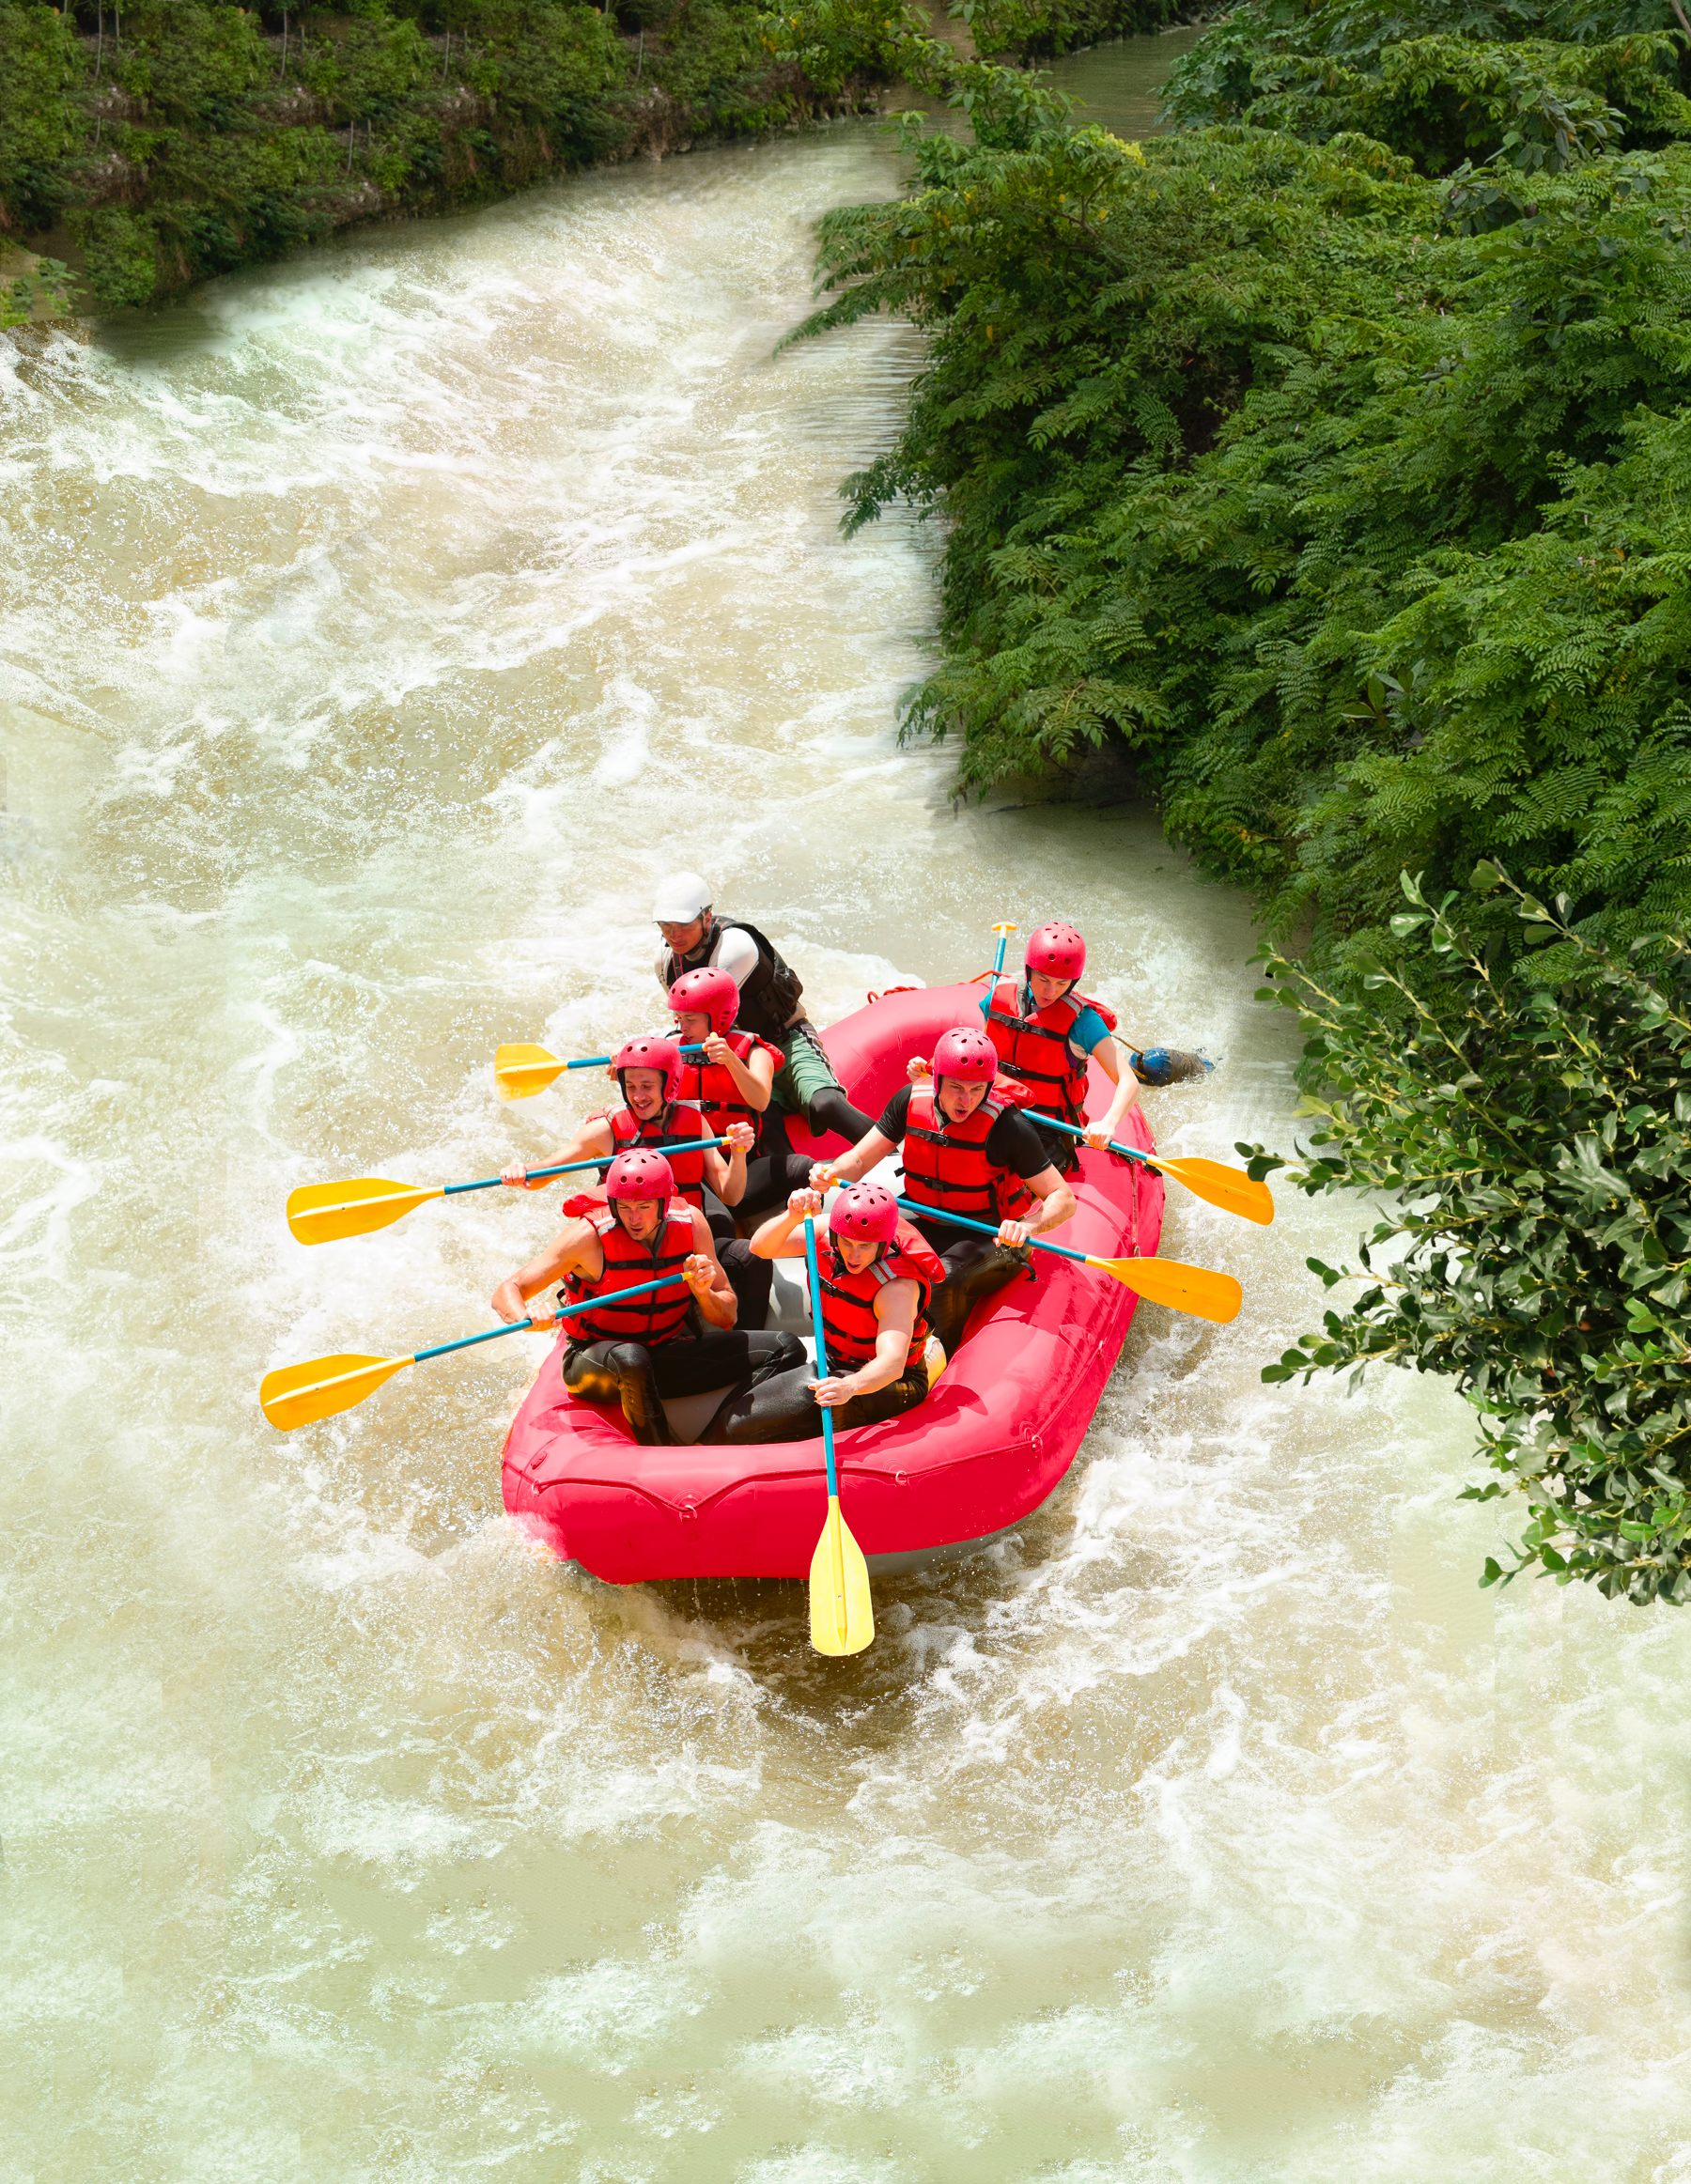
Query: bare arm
(592, 1141)
(896, 1312)
(727, 1178)
(779, 1237)
(1113, 1059)
(866, 1153)
(1056, 1205)
(754, 1079)
(702, 1274)
(566, 1254)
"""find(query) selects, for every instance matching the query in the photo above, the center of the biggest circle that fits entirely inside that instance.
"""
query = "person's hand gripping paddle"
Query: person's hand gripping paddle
(842, 1612)
(1003, 930)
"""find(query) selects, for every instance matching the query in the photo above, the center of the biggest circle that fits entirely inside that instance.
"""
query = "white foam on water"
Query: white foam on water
(382, 625)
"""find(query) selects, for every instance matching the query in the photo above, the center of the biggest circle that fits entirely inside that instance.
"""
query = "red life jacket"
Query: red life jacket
(710, 1086)
(667, 1126)
(945, 1163)
(1040, 1069)
(848, 1320)
(666, 1314)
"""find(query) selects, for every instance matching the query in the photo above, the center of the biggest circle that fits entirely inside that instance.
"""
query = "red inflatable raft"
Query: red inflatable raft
(986, 1448)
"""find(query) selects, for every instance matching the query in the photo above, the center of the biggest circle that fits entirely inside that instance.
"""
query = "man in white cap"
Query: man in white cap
(693, 936)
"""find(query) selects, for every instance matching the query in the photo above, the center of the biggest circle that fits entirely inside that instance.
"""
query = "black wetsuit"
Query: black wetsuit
(639, 1377)
(781, 1407)
(748, 1277)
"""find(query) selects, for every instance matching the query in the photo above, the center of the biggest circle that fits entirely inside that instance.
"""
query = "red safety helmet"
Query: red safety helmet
(650, 1052)
(707, 992)
(965, 1054)
(866, 1213)
(1056, 950)
(640, 1174)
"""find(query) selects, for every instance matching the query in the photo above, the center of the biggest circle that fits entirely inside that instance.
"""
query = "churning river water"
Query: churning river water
(374, 628)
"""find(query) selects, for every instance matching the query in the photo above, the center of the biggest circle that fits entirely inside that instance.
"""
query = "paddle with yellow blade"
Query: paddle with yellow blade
(1230, 1188)
(1161, 1281)
(300, 1395)
(520, 1071)
(841, 1612)
(323, 1213)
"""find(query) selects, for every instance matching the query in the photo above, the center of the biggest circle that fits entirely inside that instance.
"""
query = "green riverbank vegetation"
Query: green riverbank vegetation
(152, 144)
(1330, 458)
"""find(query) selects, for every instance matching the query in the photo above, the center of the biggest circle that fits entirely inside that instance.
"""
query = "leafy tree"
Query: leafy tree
(1445, 84)
(213, 136)
(1033, 27)
(41, 292)
(1527, 1115)
(45, 132)
(1257, 461)
(1335, 470)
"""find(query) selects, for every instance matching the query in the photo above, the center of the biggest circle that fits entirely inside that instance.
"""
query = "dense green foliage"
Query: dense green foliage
(1030, 28)
(1331, 458)
(1362, 530)
(180, 138)
(1539, 85)
(1529, 1114)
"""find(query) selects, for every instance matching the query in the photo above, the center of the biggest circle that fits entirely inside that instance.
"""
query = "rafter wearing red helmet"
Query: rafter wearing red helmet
(1047, 1032)
(966, 1152)
(680, 1340)
(650, 1072)
(730, 1082)
(693, 936)
(876, 1275)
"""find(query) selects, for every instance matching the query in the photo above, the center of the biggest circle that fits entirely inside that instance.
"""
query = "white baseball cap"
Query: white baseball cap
(682, 898)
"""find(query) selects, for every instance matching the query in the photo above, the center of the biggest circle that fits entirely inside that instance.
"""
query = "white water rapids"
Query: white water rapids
(374, 628)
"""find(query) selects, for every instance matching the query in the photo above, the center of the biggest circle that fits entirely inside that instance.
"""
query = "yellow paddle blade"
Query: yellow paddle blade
(323, 1213)
(520, 1071)
(841, 1612)
(1182, 1289)
(1230, 1188)
(298, 1395)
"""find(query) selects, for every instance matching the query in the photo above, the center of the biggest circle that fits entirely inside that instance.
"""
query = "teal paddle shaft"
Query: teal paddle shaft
(815, 1297)
(1050, 1122)
(990, 1229)
(521, 1326)
(600, 1160)
(998, 973)
(604, 1060)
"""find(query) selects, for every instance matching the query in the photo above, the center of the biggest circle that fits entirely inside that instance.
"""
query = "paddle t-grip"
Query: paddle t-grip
(1003, 929)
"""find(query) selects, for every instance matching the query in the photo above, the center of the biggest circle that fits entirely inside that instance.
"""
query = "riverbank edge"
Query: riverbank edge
(205, 147)
(364, 132)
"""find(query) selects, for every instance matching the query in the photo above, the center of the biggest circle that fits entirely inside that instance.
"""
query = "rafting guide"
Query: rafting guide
(693, 937)
(736, 1151)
